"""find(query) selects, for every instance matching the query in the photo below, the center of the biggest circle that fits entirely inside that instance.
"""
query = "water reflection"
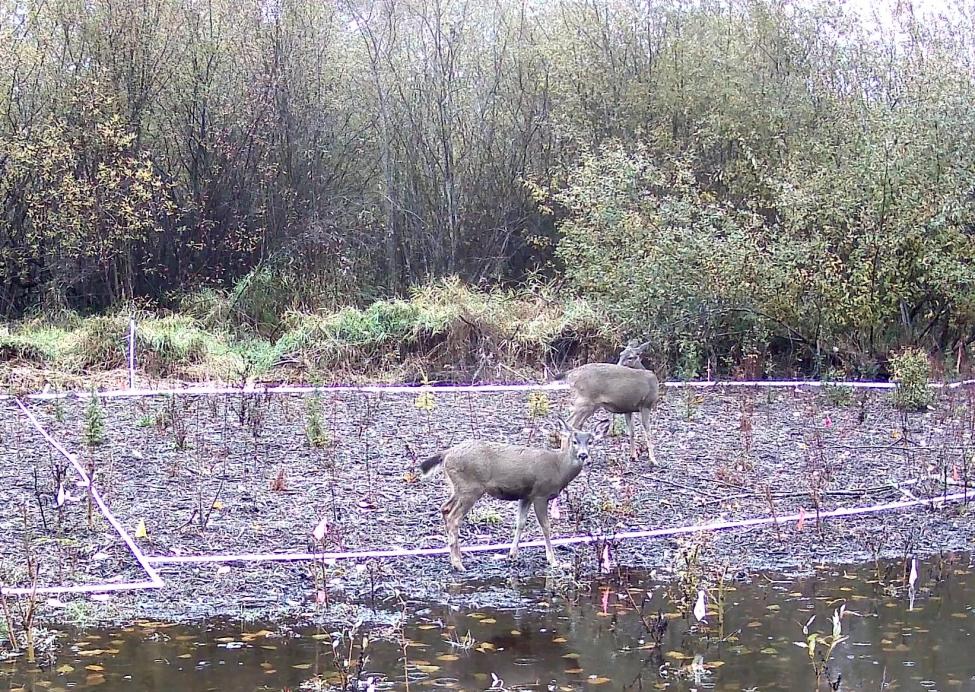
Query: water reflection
(622, 635)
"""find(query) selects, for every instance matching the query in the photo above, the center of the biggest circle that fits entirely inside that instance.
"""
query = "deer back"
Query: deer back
(615, 386)
(506, 471)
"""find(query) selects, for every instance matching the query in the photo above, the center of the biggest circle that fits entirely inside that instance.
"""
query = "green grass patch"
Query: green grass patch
(444, 329)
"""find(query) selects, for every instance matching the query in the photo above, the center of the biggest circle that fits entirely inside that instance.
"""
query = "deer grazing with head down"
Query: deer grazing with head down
(529, 476)
(626, 387)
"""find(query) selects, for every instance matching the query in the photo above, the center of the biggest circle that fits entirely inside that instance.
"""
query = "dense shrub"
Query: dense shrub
(912, 371)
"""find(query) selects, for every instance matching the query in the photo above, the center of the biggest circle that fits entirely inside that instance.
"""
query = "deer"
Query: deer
(529, 476)
(626, 387)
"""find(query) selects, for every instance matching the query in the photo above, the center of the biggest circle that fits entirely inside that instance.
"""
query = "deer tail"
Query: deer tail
(429, 465)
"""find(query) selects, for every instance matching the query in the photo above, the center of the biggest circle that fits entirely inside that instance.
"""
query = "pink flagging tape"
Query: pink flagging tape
(154, 580)
(205, 390)
(568, 540)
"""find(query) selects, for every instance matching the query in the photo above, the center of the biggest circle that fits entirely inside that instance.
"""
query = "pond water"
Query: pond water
(612, 636)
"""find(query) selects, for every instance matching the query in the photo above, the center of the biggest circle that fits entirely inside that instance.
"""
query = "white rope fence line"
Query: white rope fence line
(205, 389)
(210, 390)
(567, 540)
(154, 580)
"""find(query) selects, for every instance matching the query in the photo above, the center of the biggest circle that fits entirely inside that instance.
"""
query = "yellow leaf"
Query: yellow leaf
(95, 669)
(217, 504)
(598, 681)
(140, 529)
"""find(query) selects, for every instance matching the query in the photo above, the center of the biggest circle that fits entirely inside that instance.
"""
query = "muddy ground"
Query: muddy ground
(237, 474)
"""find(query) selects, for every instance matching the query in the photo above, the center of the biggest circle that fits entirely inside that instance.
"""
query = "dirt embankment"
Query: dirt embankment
(237, 474)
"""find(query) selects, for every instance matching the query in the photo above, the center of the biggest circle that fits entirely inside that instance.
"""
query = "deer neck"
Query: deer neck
(569, 465)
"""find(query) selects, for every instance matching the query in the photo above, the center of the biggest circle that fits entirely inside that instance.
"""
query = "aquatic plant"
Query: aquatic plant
(820, 647)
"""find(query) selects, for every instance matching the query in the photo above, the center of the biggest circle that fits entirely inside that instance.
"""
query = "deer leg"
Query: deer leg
(447, 509)
(520, 519)
(541, 511)
(460, 506)
(628, 417)
(645, 416)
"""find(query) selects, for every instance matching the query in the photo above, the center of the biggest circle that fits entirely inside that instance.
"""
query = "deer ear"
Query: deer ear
(643, 347)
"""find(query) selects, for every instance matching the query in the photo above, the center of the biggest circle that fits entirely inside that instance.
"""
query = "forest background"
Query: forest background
(449, 189)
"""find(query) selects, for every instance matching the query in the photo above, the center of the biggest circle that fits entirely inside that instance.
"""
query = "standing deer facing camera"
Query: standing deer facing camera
(626, 388)
(527, 475)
